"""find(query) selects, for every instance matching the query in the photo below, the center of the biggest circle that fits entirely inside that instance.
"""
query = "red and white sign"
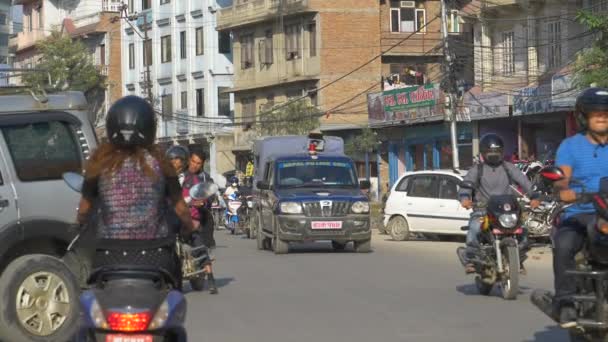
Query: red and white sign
(326, 225)
(129, 338)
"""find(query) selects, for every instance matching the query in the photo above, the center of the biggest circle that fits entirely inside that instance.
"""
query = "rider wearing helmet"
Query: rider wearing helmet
(493, 176)
(584, 160)
(178, 156)
(234, 187)
(130, 185)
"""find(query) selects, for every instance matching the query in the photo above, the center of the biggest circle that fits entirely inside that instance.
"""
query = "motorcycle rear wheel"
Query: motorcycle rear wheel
(509, 286)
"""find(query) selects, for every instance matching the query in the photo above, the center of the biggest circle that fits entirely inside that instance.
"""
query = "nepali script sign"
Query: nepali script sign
(406, 98)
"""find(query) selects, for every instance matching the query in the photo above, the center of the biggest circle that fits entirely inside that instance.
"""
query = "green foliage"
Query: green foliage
(297, 118)
(69, 63)
(366, 141)
(591, 65)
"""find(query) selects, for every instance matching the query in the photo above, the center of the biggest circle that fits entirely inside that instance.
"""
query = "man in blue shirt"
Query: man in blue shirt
(584, 160)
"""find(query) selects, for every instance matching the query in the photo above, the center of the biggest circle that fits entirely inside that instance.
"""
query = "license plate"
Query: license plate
(129, 338)
(326, 225)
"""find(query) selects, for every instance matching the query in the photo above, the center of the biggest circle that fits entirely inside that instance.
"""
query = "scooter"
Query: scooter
(233, 220)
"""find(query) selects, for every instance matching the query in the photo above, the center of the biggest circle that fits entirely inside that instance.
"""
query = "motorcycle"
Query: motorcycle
(233, 220)
(497, 260)
(591, 273)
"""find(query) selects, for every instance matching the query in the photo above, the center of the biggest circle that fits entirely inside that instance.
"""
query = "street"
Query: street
(402, 291)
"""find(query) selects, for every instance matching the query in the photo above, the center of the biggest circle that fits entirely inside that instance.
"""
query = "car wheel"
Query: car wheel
(363, 246)
(261, 239)
(40, 300)
(338, 246)
(399, 228)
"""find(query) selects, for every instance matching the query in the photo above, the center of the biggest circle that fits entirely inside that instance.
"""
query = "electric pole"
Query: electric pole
(147, 78)
(450, 106)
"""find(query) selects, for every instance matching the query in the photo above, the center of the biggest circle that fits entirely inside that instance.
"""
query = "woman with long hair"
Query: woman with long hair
(128, 188)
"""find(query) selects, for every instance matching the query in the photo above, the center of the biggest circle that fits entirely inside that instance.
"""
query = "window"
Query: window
(30, 20)
(3, 59)
(147, 52)
(246, 51)
(408, 74)
(131, 6)
(200, 102)
(293, 93)
(165, 49)
(312, 38)
(146, 4)
(454, 22)
(267, 48)
(402, 186)
(599, 6)
(182, 45)
(448, 188)
(554, 53)
(131, 56)
(508, 64)
(4, 39)
(184, 100)
(248, 106)
(43, 150)
(167, 106)
(465, 154)
(163, 2)
(224, 42)
(270, 100)
(40, 19)
(102, 54)
(407, 19)
(223, 101)
(422, 186)
(2, 18)
(200, 43)
(292, 41)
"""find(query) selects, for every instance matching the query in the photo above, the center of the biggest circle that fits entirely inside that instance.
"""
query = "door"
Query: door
(8, 203)
(421, 201)
(450, 214)
(267, 199)
(396, 202)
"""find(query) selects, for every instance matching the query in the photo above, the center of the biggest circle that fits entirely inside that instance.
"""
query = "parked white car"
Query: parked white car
(425, 202)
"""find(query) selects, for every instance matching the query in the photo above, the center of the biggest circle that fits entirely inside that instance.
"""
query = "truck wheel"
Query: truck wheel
(280, 246)
(40, 300)
(399, 228)
(363, 246)
(261, 239)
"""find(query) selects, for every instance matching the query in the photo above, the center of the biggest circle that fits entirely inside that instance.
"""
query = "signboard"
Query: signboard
(532, 100)
(480, 105)
(411, 97)
(563, 96)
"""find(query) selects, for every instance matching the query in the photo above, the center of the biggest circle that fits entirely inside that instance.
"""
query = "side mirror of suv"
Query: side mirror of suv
(263, 185)
(73, 180)
(365, 185)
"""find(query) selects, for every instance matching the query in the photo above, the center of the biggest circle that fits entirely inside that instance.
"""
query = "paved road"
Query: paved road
(403, 291)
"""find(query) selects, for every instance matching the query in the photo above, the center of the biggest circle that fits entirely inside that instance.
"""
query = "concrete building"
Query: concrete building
(190, 71)
(5, 30)
(286, 49)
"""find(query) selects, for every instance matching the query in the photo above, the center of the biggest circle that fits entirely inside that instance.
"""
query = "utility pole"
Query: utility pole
(450, 106)
(147, 77)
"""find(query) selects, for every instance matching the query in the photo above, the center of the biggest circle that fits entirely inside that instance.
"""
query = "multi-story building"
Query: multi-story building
(90, 21)
(523, 55)
(285, 49)
(5, 30)
(190, 66)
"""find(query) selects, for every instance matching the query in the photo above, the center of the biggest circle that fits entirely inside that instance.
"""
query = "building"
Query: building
(5, 30)
(287, 49)
(90, 21)
(190, 66)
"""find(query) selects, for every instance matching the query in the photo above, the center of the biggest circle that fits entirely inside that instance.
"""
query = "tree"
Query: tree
(591, 65)
(367, 141)
(297, 118)
(69, 63)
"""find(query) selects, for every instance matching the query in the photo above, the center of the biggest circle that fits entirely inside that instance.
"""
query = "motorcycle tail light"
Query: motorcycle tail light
(602, 227)
(128, 322)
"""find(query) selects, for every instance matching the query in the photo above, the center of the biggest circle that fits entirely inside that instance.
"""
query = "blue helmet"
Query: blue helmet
(234, 180)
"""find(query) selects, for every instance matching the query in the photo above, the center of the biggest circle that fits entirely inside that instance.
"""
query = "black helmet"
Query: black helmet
(492, 149)
(177, 152)
(131, 122)
(591, 99)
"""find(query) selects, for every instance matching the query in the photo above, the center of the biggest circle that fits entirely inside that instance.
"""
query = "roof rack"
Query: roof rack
(15, 90)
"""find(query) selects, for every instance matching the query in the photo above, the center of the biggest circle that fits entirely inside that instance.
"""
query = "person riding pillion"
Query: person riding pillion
(178, 156)
(493, 176)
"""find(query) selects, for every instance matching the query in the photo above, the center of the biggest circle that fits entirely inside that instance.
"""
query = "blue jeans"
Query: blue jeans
(474, 228)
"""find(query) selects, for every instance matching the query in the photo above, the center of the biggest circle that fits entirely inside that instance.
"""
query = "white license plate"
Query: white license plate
(326, 225)
(129, 338)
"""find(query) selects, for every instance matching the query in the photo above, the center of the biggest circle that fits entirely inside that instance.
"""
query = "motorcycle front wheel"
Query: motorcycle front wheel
(510, 279)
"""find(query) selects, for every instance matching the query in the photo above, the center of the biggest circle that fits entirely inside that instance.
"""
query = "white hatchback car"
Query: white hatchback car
(425, 202)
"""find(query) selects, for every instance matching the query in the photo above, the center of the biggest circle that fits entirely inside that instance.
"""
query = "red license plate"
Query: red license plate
(129, 338)
(326, 225)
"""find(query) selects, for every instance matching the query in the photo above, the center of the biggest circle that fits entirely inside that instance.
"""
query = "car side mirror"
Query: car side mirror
(467, 184)
(263, 185)
(365, 185)
(73, 180)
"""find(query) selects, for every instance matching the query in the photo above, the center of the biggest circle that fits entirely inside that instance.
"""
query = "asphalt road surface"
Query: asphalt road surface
(402, 291)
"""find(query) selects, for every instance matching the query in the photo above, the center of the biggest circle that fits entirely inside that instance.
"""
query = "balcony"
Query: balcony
(26, 40)
(111, 5)
(245, 12)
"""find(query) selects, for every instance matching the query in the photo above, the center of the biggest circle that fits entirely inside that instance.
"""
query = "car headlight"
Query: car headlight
(360, 207)
(161, 317)
(291, 208)
(508, 220)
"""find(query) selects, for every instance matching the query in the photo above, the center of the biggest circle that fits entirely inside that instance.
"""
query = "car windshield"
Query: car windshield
(304, 173)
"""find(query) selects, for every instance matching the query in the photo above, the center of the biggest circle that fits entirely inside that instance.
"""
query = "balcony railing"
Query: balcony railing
(250, 11)
(111, 6)
(181, 124)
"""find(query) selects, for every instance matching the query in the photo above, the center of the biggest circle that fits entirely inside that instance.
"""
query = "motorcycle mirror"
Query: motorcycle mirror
(552, 173)
(73, 180)
(467, 184)
(203, 191)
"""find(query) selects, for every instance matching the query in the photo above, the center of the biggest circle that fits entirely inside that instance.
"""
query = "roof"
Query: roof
(70, 100)
(306, 156)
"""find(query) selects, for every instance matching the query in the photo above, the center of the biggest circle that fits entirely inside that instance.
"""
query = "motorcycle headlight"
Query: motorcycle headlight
(291, 208)
(161, 317)
(360, 207)
(508, 220)
(250, 204)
